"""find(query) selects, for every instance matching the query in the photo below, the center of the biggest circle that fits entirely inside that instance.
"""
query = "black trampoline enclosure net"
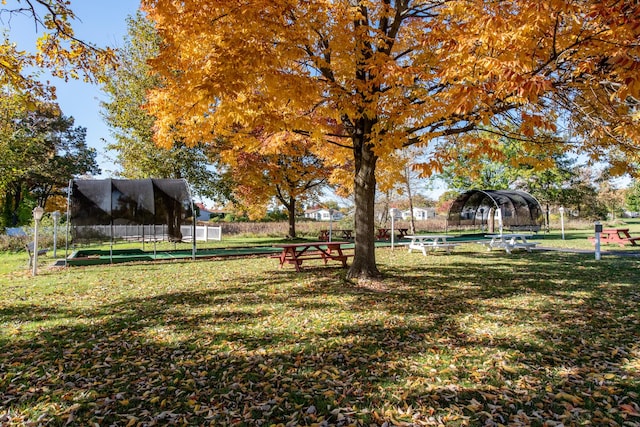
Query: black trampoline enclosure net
(130, 209)
(508, 209)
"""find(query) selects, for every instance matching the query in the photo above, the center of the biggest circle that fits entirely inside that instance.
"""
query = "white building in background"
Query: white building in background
(204, 214)
(323, 214)
(209, 214)
(419, 214)
(396, 213)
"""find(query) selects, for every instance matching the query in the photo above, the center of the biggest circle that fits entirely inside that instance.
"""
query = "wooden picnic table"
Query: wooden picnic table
(618, 236)
(383, 233)
(402, 233)
(430, 242)
(344, 233)
(296, 253)
(508, 242)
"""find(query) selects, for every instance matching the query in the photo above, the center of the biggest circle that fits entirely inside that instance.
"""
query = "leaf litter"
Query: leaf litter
(254, 347)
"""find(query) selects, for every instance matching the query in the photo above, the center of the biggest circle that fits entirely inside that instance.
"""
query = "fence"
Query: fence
(204, 233)
(144, 233)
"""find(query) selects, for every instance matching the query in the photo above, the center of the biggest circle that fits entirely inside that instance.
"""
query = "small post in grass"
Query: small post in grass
(37, 216)
(56, 217)
(392, 211)
(330, 224)
(598, 230)
(561, 210)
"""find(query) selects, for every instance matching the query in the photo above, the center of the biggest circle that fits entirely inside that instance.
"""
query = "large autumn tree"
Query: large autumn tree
(397, 73)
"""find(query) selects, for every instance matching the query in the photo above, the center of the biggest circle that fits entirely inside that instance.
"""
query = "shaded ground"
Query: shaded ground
(473, 338)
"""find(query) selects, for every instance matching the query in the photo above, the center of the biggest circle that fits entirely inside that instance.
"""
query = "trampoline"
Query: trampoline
(495, 210)
(143, 210)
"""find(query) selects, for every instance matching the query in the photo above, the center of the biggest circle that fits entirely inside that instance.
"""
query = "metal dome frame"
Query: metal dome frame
(495, 210)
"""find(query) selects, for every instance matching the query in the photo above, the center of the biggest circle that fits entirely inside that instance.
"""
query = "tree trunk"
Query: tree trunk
(173, 220)
(6, 211)
(412, 223)
(364, 260)
(15, 204)
(291, 209)
(547, 216)
(491, 221)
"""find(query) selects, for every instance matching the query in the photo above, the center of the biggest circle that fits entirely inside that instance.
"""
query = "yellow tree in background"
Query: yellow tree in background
(396, 73)
(284, 166)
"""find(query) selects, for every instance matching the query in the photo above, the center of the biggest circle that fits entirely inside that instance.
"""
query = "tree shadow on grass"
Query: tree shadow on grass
(515, 341)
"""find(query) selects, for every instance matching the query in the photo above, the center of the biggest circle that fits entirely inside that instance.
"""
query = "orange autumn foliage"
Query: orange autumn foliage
(393, 74)
(282, 165)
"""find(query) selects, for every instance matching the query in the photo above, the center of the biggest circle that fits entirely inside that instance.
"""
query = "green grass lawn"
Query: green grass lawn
(472, 338)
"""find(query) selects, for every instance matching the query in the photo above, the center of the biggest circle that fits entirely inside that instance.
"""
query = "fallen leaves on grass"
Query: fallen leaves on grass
(244, 346)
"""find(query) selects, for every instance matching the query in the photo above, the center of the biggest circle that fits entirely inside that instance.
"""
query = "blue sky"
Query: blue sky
(102, 23)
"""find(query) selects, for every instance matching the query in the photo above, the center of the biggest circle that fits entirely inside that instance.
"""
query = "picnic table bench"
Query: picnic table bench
(385, 233)
(430, 242)
(508, 242)
(618, 236)
(344, 233)
(296, 253)
(29, 248)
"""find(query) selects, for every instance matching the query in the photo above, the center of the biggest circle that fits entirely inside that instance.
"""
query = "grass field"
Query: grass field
(473, 338)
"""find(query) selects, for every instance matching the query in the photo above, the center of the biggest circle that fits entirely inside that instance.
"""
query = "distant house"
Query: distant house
(323, 214)
(15, 231)
(396, 213)
(419, 214)
(204, 213)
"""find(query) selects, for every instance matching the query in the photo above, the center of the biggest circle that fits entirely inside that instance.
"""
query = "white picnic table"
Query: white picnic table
(508, 242)
(430, 242)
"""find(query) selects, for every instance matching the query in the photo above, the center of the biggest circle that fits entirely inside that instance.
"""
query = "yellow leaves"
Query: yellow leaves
(618, 168)
(535, 162)
(534, 88)
(631, 409)
(279, 66)
(574, 400)
(57, 47)
(630, 86)
(464, 102)
(533, 123)
(432, 166)
(266, 165)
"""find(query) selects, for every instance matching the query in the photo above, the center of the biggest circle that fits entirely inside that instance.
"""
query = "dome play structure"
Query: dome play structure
(496, 210)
